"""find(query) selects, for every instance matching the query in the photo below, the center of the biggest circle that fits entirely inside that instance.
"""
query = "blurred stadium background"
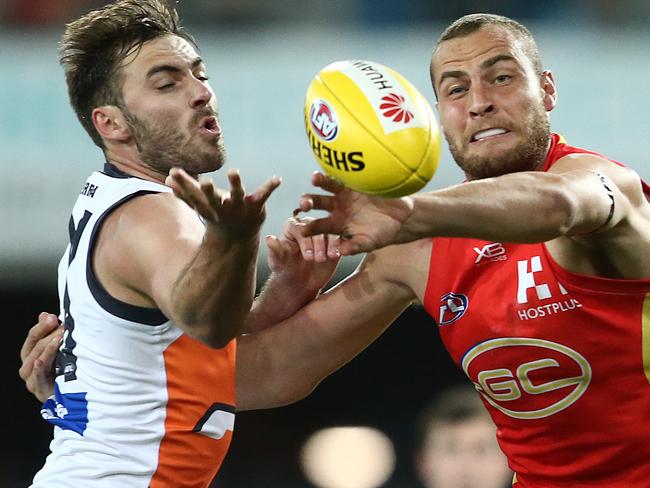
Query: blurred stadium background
(261, 56)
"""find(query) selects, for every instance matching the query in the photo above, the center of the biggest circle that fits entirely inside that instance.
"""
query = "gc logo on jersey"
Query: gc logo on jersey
(527, 378)
(452, 307)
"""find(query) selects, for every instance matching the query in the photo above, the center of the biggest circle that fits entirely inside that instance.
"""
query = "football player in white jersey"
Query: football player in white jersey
(155, 285)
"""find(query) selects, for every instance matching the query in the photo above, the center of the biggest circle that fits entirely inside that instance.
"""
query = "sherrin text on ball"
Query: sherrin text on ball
(371, 129)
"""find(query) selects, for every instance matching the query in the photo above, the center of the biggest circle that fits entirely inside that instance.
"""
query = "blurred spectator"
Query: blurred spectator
(46, 12)
(627, 12)
(457, 444)
(370, 12)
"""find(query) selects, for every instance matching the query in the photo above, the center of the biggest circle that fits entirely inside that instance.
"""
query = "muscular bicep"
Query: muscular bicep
(606, 194)
(142, 248)
(609, 234)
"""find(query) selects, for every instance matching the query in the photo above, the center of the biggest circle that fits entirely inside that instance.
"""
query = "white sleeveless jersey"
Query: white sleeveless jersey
(137, 402)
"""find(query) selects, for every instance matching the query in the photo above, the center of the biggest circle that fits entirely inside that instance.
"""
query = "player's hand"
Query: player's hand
(309, 260)
(233, 213)
(362, 221)
(38, 354)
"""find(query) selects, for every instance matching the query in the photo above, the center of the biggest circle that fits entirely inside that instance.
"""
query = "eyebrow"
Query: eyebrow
(484, 65)
(171, 68)
(495, 59)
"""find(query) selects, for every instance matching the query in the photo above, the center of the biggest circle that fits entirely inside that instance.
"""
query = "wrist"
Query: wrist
(223, 239)
(409, 229)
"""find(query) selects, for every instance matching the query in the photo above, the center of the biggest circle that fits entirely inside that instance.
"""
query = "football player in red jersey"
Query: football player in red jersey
(537, 269)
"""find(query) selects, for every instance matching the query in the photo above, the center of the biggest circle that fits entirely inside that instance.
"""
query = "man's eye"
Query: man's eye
(456, 90)
(203, 78)
(502, 79)
(165, 86)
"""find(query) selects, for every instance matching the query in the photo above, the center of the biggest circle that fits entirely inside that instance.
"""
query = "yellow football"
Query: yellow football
(371, 129)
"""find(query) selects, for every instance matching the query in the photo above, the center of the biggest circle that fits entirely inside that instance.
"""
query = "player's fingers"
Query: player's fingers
(306, 245)
(47, 322)
(237, 190)
(178, 177)
(319, 226)
(291, 230)
(214, 196)
(193, 192)
(184, 187)
(40, 383)
(46, 359)
(319, 243)
(273, 244)
(325, 182)
(41, 380)
(49, 343)
(313, 201)
(305, 204)
(207, 185)
(276, 253)
(333, 246)
(51, 348)
(264, 191)
(350, 247)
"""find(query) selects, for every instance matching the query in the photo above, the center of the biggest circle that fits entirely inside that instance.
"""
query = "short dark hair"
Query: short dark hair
(94, 47)
(471, 23)
(456, 404)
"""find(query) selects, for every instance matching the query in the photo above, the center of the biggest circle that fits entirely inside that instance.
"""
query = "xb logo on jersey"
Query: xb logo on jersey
(493, 251)
(452, 307)
(527, 378)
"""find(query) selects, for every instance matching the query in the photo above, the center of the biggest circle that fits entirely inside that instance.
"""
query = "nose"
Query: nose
(202, 94)
(480, 103)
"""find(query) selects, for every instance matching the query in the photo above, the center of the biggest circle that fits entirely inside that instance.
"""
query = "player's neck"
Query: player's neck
(135, 167)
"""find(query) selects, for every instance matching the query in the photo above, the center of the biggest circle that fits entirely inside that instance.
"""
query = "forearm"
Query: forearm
(522, 207)
(281, 297)
(284, 363)
(214, 293)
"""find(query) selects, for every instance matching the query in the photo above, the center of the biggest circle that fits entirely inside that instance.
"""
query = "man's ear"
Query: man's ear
(110, 123)
(549, 90)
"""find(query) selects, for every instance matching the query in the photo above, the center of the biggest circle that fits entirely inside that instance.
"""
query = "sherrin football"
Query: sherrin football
(371, 129)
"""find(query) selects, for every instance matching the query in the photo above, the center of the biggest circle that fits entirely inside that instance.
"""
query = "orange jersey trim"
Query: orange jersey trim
(197, 378)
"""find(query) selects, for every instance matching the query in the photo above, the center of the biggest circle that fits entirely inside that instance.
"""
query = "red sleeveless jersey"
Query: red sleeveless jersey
(561, 360)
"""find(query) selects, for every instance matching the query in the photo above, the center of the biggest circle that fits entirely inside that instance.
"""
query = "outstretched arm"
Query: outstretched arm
(582, 197)
(213, 293)
(191, 254)
(284, 363)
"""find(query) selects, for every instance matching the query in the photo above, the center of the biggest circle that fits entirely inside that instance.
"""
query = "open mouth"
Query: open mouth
(210, 124)
(482, 135)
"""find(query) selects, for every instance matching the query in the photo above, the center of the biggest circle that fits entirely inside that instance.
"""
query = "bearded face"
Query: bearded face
(164, 144)
(526, 155)
(170, 109)
(493, 105)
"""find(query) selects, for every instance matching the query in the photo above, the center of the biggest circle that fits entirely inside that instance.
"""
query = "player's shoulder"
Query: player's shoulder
(154, 208)
(151, 216)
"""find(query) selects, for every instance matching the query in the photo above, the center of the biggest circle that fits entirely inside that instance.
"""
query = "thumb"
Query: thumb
(275, 252)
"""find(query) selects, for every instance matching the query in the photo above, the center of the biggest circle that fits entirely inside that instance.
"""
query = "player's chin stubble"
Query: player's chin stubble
(162, 147)
(528, 155)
